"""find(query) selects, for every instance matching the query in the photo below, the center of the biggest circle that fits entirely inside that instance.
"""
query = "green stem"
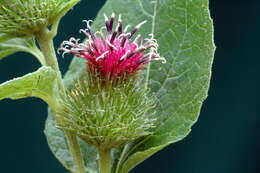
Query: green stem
(45, 40)
(75, 152)
(104, 161)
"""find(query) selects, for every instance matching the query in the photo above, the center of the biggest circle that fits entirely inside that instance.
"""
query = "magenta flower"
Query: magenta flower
(114, 54)
(111, 106)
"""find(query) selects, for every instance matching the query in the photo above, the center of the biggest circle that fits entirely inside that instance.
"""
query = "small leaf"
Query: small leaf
(66, 7)
(39, 84)
(10, 46)
(138, 157)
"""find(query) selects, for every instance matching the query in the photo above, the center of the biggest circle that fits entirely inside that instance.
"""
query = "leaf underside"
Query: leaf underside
(39, 84)
(9, 46)
(184, 31)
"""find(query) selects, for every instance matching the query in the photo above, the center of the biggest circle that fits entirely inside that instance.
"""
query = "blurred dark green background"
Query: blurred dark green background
(226, 138)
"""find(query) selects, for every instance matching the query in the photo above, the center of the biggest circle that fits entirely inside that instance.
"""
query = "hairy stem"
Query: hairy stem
(75, 152)
(104, 161)
(45, 40)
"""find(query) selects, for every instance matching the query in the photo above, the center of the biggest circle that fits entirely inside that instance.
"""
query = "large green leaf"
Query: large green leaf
(184, 31)
(39, 84)
(9, 46)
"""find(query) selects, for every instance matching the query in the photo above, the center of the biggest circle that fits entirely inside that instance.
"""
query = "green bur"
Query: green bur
(24, 18)
(107, 113)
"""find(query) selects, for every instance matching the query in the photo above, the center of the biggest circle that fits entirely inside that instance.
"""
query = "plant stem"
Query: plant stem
(104, 161)
(45, 40)
(75, 151)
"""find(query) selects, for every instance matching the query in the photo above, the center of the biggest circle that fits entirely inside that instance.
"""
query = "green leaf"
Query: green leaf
(58, 143)
(66, 6)
(39, 84)
(184, 31)
(9, 46)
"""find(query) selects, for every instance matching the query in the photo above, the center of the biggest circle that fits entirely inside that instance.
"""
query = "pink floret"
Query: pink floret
(114, 54)
(111, 64)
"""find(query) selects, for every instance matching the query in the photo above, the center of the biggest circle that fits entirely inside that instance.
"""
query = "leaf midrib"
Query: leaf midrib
(153, 28)
(147, 72)
(148, 68)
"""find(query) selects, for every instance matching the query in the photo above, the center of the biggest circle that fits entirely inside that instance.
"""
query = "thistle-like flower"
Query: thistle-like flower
(110, 106)
(114, 54)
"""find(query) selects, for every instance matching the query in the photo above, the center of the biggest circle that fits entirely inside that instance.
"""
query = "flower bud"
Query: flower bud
(107, 113)
(22, 18)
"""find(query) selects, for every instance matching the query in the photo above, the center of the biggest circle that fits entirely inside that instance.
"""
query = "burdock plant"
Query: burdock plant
(118, 102)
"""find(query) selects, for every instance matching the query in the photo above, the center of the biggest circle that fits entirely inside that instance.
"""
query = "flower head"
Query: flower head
(114, 54)
(104, 112)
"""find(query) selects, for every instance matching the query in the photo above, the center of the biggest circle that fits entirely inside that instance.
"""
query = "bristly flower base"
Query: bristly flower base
(107, 113)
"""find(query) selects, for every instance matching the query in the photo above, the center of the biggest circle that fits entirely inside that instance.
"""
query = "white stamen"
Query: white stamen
(151, 35)
(141, 48)
(151, 40)
(113, 15)
(111, 45)
(160, 59)
(89, 28)
(72, 39)
(102, 28)
(156, 56)
(125, 55)
(126, 28)
(151, 45)
(140, 24)
(66, 47)
(83, 46)
(64, 53)
(117, 27)
(61, 49)
(136, 40)
(102, 56)
(100, 33)
(124, 35)
(106, 18)
(137, 37)
(87, 22)
(84, 31)
(119, 18)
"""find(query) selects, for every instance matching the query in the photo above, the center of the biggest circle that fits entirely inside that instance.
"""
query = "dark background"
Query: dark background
(226, 138)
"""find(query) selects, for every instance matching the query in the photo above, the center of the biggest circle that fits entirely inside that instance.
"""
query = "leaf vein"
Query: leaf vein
(144, 11)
